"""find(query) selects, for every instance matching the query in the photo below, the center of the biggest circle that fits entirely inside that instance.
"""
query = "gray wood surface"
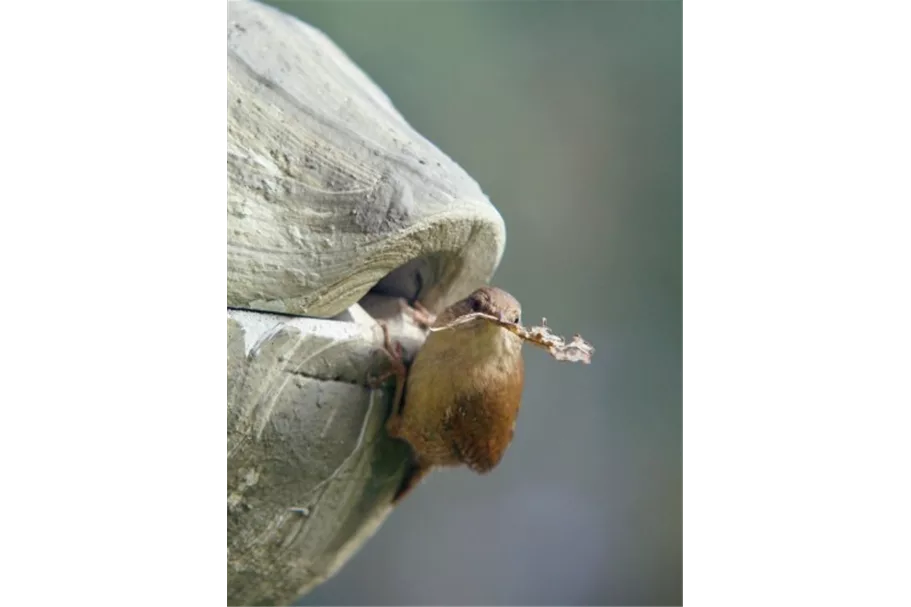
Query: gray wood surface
(336, 207)
(304, 432)
(329, 189)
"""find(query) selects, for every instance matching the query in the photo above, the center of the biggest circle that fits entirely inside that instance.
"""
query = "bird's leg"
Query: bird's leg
(398, 369)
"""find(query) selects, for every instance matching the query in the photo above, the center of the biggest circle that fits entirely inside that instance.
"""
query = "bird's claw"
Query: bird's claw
(394, 353)
(421, 315)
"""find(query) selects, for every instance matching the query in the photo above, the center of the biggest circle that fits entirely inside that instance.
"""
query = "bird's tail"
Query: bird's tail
(413, 477)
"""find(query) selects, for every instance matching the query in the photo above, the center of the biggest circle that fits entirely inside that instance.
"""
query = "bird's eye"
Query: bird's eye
(475, 304)
(516, 319)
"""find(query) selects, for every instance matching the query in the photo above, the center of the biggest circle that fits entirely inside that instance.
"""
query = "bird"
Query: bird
(458, 403)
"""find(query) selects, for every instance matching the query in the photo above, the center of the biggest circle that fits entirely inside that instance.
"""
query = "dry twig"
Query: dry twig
(576, 350)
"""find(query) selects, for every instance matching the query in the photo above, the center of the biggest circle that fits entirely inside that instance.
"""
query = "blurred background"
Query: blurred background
(569, 116)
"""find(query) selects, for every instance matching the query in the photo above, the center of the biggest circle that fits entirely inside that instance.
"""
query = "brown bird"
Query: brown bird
(462, 393)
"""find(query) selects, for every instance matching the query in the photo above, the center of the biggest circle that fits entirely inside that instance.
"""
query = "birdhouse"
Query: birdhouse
(337, 210)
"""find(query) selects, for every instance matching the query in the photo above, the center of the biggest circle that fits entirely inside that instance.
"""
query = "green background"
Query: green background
(569, 116)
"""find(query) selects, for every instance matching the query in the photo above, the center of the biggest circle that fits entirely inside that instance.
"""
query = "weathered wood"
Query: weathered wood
(303, 432)
(330, 190)
(331, 195)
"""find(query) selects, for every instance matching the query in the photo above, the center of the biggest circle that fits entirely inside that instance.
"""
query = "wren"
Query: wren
(463, 390)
